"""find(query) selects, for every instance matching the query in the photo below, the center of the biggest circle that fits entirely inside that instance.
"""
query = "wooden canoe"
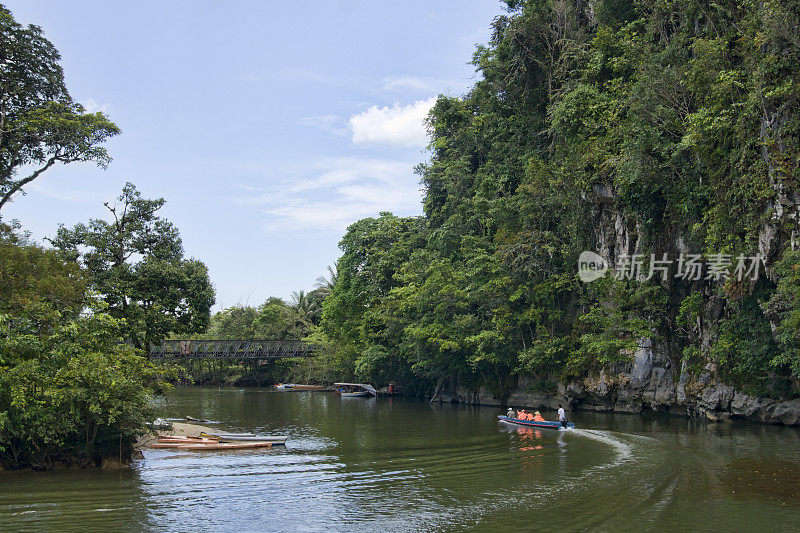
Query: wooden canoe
(226, 435)
(225, 446)
(175, 444)
(187, 440)
(183, 437)
(308, 387)
(534, 424)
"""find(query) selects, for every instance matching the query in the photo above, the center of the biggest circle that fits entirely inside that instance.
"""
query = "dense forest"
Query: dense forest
(663, 137)
(76, 316)
(630, 129)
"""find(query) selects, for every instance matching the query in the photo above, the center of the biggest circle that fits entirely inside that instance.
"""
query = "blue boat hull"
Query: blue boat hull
(534, 424)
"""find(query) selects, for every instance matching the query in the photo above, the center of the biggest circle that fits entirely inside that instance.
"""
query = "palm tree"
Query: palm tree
(326, 284)
(303, 305)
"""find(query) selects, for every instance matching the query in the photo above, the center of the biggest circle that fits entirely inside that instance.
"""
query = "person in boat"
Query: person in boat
(521, 414)
(511, 413)
(537, 417)
(528, 416)
(562, 416)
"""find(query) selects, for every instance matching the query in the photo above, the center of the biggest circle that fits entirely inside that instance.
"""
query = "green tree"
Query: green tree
(617, 126)
(237, 322)
(70, 389)
(783, 310)
(135, 261)
(38, 282)
(40, 124)
(325, 284)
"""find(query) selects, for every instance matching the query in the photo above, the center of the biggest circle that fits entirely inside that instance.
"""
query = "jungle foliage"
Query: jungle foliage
(275, 319)
(71, 391)
(75, 385)
(627, 127)
(40, 124)
(135, 262)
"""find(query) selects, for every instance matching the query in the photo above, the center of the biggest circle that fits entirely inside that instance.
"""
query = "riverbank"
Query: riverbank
(179, 429)
(647, 383)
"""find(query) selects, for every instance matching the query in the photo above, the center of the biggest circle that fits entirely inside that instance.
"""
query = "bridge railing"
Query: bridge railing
(237, 349)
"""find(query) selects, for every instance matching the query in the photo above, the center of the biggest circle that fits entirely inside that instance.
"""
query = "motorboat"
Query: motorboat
(355, 390)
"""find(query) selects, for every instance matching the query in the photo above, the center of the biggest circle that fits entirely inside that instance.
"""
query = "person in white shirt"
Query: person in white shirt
(562, 416)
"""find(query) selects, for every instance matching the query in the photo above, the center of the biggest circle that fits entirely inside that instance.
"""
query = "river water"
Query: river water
(390, 464)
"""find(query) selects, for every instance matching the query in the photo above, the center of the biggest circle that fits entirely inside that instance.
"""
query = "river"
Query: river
(391, 464)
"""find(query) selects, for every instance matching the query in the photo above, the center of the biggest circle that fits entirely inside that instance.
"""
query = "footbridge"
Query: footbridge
(231, 349)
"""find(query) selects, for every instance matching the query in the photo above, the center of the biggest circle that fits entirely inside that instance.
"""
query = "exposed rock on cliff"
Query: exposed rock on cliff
(646, 383)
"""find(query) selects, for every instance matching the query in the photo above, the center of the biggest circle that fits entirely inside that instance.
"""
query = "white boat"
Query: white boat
(357, 394)
(223, 437)
(355, 390)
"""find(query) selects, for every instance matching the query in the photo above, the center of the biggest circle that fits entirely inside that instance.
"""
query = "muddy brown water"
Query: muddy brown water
(403, 465)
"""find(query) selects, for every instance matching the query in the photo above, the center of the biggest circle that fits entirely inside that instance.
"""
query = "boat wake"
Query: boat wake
(622, 449)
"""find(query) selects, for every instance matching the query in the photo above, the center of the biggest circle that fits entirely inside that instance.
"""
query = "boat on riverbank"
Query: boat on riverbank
(534, 424)
(224, 446)
(167, 439)
(233, 437)
(177, 442)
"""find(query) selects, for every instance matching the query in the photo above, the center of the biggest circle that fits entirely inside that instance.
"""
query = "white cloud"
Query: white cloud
(93, 107)
(331, 194)
(398, 125)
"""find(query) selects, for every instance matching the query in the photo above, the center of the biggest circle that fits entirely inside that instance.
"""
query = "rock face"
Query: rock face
(646, 383)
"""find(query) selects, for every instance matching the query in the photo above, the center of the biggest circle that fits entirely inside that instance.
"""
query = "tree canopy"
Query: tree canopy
(622, 127)
(70, 389)
(40, 124)
(135, 261)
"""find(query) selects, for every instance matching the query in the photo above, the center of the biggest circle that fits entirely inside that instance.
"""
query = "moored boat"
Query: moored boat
(209, 444)
(175, 444)
(224, 446)
(215, 435)
(274, 439)
(187, 440)
(308, 387)
(355, 390)
(357, 394)
(535, 424)
(298, 387)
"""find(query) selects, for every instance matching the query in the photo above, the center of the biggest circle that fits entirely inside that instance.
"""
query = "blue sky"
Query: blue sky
(267, 128)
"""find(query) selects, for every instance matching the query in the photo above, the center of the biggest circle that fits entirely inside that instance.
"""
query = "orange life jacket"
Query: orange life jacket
(538, 418)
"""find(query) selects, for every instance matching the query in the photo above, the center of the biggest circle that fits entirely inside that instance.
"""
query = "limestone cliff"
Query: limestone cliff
(649, 382)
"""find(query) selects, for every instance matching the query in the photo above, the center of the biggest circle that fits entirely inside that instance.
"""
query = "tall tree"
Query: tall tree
(135, 261)
(40, 124)
(305, 305)
(325, 284)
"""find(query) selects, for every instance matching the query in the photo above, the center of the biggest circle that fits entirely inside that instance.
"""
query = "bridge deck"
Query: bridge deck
(235, 349)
